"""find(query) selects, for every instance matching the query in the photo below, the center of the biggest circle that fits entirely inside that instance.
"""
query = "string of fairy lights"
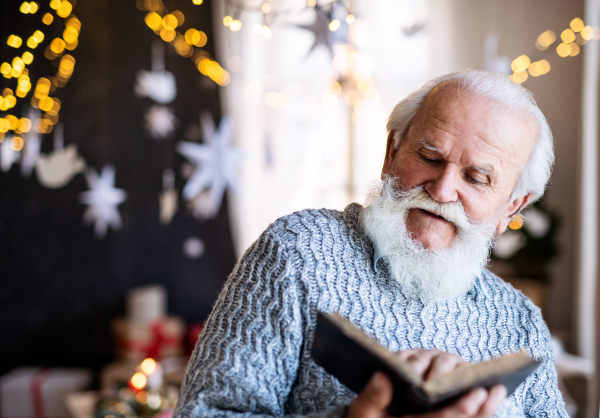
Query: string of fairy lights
(188, 44)
(45, 86)
(269, 13)
(577, 35)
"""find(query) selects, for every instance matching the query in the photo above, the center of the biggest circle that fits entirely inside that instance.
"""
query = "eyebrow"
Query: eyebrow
(485, 169)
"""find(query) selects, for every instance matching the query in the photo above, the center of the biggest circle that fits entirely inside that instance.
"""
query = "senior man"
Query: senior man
(465, 153)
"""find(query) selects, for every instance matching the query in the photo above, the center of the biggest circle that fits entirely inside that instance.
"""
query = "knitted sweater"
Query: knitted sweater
(253, 357)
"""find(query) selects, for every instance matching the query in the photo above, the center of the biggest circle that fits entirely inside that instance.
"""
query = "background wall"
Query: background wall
(59, 285)
(558, 93)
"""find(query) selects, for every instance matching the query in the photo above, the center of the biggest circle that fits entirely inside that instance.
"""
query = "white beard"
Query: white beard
(422, 273)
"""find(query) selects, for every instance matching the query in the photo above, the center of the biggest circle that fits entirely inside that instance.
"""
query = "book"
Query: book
(352, 357)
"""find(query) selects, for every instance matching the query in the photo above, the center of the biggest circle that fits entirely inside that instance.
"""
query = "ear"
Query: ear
(511, 210)
(390, 154)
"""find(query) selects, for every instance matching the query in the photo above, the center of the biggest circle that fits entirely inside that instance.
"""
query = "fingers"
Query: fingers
(495, 398)
(430, 363)
(373, 401)
(476, 404)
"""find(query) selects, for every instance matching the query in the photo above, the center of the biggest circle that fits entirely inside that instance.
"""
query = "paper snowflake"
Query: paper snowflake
(158, 84)
(216, 162)
(103, 200)
(160, 122)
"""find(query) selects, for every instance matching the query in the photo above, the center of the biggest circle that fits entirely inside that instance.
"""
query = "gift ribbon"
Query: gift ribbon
(37, 380)
(159, 341)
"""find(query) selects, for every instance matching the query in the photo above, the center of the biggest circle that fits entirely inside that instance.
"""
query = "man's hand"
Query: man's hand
(373, 401)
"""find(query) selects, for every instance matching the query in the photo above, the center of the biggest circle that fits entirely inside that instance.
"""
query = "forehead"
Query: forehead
(453, 117)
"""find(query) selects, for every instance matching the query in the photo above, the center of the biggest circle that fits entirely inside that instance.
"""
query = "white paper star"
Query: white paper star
(31, 148)
(160, 122)
(158, 84)
(8, 156)
(103, 200)
(216, 164)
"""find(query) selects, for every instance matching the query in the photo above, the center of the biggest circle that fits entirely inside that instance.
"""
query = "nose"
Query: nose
(444, 186)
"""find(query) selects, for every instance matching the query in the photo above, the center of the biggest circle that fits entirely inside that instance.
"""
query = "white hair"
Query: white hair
(497, 87)
(427, 274)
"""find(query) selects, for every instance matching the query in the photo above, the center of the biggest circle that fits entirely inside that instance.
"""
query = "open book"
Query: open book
(352, 357)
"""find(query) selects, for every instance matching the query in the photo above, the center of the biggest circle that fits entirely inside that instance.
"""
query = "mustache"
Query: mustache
(404, 200)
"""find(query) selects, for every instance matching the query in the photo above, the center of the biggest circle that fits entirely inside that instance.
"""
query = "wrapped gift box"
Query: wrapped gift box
(40, 392)
(137, 340)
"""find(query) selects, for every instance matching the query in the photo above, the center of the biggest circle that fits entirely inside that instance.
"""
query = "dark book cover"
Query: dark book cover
(352, 357)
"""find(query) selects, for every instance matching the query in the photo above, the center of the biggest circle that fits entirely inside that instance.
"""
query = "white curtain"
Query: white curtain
(304, 145)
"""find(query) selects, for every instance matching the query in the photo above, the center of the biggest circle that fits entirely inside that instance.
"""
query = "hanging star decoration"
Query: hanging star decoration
(160, 122)
(321, 31)
(158, 84)
(8, 156)
(216, 163)
(31, 150)
(103, 200)
(325, 33)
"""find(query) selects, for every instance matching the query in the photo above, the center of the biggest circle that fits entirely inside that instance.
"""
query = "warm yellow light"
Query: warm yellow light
(203, 39)
(24, 125)
(5, 68)
(74, 22)
(519, 77)
(154, 21)
(179, 16)
(46, 104)
(14, 41)
(235, 25)
(577, 24)
(535, 69)
(334, 25)
(167, 35)
(47, 19)
(138, 380)
(350, 19)
(520, 64)
(38, 35)
(55, 4)
(33, 7)
(67, 64)
(545, 66)
(197, 2)
(266, 8)
(18, 64)
(266, 32)
(13, 121)
(567, 36)
(25, 7)
(148, 366)
(546, 39)
(192, 36)
(587, 33)
(16, 143)
(312, 3)
(32, 43)
(65, 9)
(27, 57)
(169, 22)
(57, 46)
(227, 20)
(563, 50)
(516, 222)
(4, 125)
(574, 49)
(70, 34)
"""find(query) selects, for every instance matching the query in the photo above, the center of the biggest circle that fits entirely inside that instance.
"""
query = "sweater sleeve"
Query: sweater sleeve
(246, 360)
(539, 396)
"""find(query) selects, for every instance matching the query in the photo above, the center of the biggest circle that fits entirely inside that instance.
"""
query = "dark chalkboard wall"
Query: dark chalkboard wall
(59, 285)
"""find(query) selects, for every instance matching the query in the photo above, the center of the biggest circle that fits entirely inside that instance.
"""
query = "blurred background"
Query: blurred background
(144, 145)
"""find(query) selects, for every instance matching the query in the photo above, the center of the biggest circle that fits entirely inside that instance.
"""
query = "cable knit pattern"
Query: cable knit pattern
(253, 358)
